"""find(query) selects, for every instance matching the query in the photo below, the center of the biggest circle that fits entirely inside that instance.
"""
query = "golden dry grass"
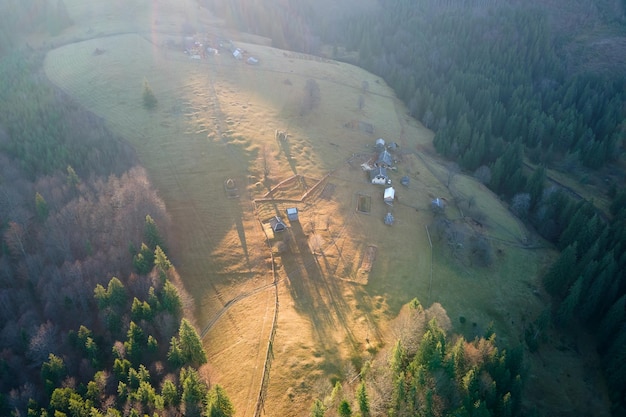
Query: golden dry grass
(216, 119)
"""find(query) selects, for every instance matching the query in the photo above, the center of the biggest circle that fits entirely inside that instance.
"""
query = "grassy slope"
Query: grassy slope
(216, 120)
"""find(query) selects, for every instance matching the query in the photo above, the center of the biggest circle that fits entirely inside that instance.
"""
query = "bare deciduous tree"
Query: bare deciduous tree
(483, 174)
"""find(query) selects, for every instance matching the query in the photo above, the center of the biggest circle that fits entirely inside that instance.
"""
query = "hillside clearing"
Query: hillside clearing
(216, 119)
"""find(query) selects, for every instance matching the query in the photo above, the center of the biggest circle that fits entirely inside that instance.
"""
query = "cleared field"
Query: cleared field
(216, 120)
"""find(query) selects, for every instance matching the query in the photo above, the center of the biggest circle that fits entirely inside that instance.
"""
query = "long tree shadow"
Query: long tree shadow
(317, 296)
(241, 232)
(285, 146)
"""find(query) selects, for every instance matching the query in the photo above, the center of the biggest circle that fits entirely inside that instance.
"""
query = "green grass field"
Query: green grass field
(216, 119)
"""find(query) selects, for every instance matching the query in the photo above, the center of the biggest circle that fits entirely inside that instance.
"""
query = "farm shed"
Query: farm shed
(389, 195)
(380, 143)
(384, 160)
(389, 219)
(292, 214)
(252, 61)
(238, 54)
(379, 176)
(405, 181)
(438, 204)
(277, 224)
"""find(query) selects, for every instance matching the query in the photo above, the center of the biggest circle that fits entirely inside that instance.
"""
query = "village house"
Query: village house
(277, 224)
(292, 214)
(379, 176)
(384, 160)
(380, 144)
(389, 195)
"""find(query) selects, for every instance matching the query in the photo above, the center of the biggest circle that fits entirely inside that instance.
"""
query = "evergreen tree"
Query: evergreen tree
(535, 186)
(41, 207)
(170, 299)
(344, 409)
(612, 320)
(169, 392)
(194, 392)
(152, 235)
(53, 372)
(190, 344)
(144, 260)
(561, 273)
(218, 403)
(363, 400)
(160, 260)
(566, 310)
(318, 409)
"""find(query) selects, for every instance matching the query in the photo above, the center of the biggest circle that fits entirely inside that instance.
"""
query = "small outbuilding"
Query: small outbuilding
(252, 61)
(292, 214)
(380, 144)
(277, 224)
(405, 181)
(438, 205)
(389, 195)
(379, 176)
(389, 219)
(238, 54)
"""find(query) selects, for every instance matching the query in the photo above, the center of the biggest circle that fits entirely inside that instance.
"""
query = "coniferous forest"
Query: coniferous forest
(495, 90)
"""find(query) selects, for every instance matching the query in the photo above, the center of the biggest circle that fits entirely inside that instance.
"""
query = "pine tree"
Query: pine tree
(194, 391)
(169, 392)
(535, 186)
(363, 400)
(317, 409)
(190, 344)
(170, 299)
(218, 403)
(565, 313)
(160, 260)
(152, 236)
(344, 409)
(41, 208)
(611, 321)
(561, 274)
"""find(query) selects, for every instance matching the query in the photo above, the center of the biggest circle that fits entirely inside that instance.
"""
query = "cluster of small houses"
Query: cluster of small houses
(377, 169)
(200, 49)
(378, 173)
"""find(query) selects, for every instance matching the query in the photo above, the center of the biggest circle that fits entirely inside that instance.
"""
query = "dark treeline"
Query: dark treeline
(588, 282)
(90, 322)
(20, 17)
(487, 81)
(288, 24)
(46, 131)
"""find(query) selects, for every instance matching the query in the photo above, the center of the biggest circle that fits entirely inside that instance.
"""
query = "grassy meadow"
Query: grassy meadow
(216, 119)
